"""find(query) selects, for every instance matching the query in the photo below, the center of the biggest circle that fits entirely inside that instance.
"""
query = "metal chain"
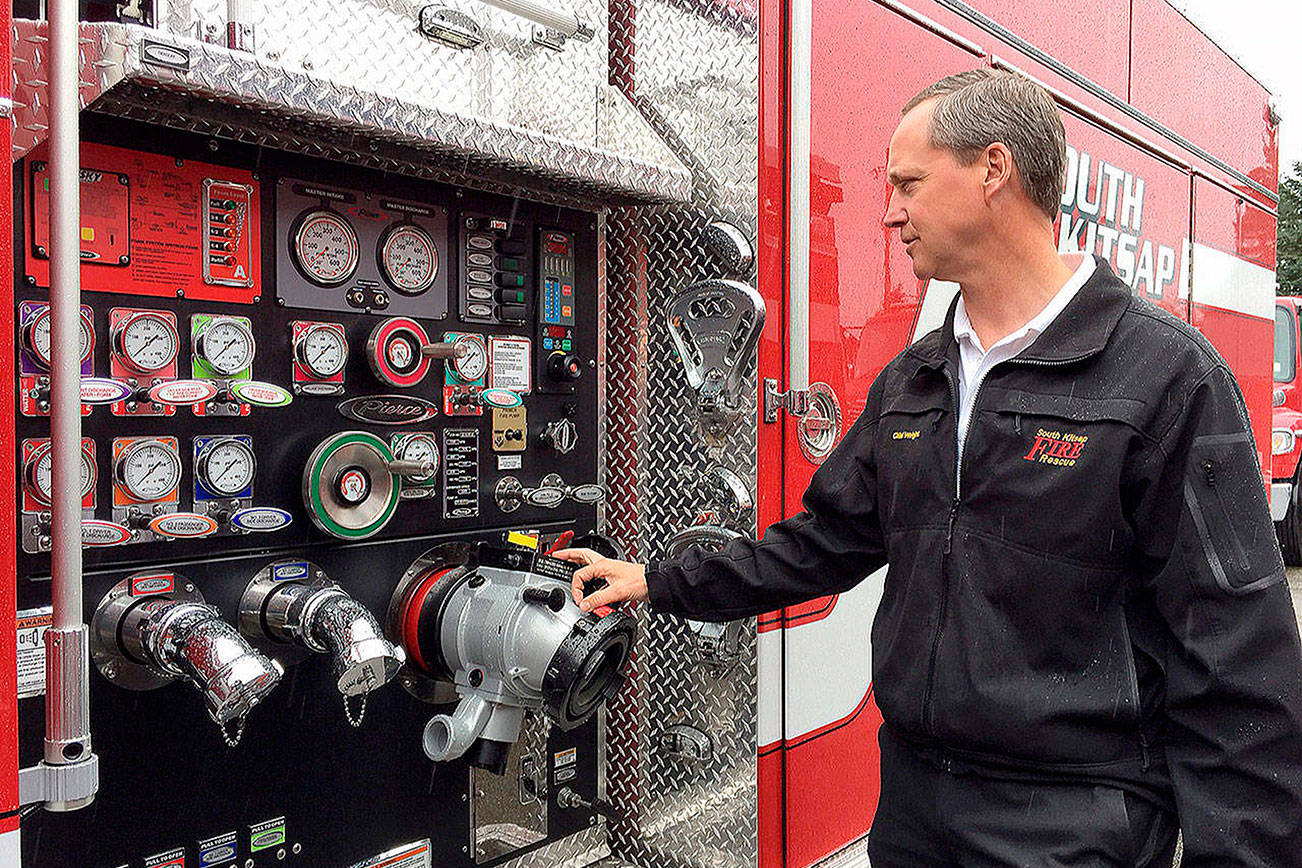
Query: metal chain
(232, 737)
(355, 720)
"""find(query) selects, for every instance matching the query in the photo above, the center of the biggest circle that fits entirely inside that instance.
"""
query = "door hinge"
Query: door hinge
(794, 401)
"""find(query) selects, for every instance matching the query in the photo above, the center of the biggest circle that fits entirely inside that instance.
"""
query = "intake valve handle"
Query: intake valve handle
(445, 350)
(411, 468)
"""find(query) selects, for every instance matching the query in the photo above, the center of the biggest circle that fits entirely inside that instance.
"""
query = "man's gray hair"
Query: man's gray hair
(982, 106)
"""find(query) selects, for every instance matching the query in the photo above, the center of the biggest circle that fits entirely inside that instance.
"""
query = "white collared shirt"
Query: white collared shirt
(975, 362)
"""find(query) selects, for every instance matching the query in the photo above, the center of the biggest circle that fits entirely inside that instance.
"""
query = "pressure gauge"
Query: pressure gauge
(148, 470)
(226, 466)
(474, 363)
(226, 345)
(408, 258)
(325, 247)
(39, 472)
(422, 448)
(146, 341)
(322, 351)
(37, 336)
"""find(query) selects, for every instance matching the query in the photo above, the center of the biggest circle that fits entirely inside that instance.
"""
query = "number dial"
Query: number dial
(420, 447)
(146, 342)
(39, 475)
(322, 351)
(148, 470)
(37, 337)
(226, 466)
(227, 346)
(408, 258)
(473, 364)
(324, 248)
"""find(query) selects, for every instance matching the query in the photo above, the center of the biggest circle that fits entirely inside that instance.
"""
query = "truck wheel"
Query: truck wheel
(1289, 530)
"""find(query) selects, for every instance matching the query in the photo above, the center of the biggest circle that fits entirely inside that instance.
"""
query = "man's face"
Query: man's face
(936, 203)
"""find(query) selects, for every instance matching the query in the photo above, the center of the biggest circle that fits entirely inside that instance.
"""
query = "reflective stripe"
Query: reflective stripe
(1230, 283)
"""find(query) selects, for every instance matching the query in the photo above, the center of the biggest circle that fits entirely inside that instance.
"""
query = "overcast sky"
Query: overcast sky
(1265, 36)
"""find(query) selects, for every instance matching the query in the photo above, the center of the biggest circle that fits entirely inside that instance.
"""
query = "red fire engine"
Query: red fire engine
(377, 302)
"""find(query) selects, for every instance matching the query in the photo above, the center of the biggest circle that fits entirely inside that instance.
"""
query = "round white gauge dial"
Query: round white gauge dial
(421, 448)
(323, 351)
(38, 338)
(474, 364)
(226, 466)
(325, 248)
(146, 342)
(409, 259)
(148, 469)
(40, 474)
(227, 346)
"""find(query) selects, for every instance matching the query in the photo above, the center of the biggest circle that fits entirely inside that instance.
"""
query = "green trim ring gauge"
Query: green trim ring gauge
(408, 258)
(226, 346)
(323, 247)
(348, 488)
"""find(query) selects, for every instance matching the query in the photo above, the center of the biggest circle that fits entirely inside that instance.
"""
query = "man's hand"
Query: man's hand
(616, 581)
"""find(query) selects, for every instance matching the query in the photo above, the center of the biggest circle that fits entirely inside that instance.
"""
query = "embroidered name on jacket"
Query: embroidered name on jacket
(1056, 447)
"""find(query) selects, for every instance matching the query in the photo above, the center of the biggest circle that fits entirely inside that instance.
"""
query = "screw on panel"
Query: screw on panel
(31, 281)
(213, 145)
(180, 293)
(180, 162)
(280, 302)
(298, 848)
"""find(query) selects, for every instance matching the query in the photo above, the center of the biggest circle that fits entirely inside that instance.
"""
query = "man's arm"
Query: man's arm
(827, 548)
(1233, 667)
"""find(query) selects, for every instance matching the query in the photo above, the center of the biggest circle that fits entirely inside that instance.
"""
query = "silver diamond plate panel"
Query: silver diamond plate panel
(678, 811)
(577, 851)
(517, 129)
(508, 812)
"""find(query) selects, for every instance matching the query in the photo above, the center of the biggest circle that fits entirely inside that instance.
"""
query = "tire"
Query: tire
(1289, 530)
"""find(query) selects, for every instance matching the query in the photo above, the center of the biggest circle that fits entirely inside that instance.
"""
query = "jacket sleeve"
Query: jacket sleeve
(1233, 703)
(828, 547)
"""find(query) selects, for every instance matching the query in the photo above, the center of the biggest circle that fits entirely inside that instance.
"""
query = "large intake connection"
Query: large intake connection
(154, 628)
(294, 603)
(502, 627)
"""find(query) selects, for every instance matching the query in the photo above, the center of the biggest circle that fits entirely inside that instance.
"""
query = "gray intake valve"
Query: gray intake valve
(154, 628)
(294, 604)
(501, 625)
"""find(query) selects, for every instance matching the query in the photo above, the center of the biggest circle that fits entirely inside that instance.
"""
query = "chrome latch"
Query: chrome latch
(794, 401)
(684, 740)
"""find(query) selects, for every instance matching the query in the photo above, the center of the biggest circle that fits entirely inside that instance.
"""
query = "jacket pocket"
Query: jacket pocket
(1227, 503)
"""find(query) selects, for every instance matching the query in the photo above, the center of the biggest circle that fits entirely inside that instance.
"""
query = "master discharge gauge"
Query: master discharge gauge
(322, 350)
(408, 258)
(226, 345)
(324, 247)
(148, 470)
(146, 342)
(226, 466)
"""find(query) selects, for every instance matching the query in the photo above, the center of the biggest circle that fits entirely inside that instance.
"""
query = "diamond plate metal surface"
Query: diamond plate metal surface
(502, 113)
(678, 811)
(577, 851)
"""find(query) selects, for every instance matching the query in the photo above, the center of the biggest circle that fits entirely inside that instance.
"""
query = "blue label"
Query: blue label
(216, 856)
(261, 519)
(288, 572)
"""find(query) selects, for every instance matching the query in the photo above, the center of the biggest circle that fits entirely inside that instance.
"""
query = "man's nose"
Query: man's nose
(895, 216)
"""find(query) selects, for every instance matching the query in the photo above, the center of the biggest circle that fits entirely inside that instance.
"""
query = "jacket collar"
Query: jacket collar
(1078, 332)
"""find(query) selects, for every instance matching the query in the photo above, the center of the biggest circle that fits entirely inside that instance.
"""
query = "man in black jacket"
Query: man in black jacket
(1085, 632)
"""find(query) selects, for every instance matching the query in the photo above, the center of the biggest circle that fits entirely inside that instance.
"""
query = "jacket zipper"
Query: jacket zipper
(928, 698)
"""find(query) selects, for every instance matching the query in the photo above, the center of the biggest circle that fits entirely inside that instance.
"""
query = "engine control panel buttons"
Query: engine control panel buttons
(227, 212)
(324, 247)
(348, 489)
(394, 351)
(146, 341)
(147, 470)
(409, 259)
(223, 346)
(564, 367)
(224, 467)
(510, 429)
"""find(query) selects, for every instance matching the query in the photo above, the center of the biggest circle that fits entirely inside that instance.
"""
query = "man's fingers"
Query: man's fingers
(585, 575)
(605, 597)
(577, 556)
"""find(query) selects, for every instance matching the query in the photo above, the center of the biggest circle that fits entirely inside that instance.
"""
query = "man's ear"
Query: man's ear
(998, 163)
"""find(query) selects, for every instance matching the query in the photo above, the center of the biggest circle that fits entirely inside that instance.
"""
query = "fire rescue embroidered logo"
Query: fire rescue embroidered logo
(1056, 447)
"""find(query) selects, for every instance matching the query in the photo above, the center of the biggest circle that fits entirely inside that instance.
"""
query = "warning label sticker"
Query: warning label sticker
(510, 364)
(565, 757)
(171, 859)
(32, 624)
(415, 855)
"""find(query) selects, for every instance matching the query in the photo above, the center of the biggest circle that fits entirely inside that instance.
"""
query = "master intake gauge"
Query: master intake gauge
(408, 258)
(38, 473)
(323, 246)
(226, 345)
(226, 467)
(148, 470)
(146, 341)
(36, 335)
(322, 350)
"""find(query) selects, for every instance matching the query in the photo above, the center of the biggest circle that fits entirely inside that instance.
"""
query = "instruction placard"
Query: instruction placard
(511, 369)
(416, 855)
(32, 624)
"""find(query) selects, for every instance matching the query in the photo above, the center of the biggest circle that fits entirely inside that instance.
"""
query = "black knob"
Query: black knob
(564, 367)
(553, 598)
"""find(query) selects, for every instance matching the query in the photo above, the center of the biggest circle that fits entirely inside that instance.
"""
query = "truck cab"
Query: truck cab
(1286, 428)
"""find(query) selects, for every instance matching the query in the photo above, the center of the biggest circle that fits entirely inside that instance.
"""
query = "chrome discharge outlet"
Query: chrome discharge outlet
(154, 628)
(294, 603)
(498, 624)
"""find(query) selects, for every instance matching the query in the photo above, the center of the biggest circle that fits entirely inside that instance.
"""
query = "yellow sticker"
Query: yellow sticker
(88, 233)
(529, 541)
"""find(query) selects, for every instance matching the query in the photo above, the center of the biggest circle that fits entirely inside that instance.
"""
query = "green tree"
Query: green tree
(1289, 232)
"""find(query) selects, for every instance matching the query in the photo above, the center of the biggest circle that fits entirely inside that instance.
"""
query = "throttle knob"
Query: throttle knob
(562, 435)
(564, 367)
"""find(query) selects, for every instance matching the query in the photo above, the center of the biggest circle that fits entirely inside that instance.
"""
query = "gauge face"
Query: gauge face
(474, 364)
(409, 259)
(325, 248)
(38, 338)
(323, 351)
(421, 448)
(227, 346)
(226, 467)
(40, 475)
(149, 469)
(146, 342)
